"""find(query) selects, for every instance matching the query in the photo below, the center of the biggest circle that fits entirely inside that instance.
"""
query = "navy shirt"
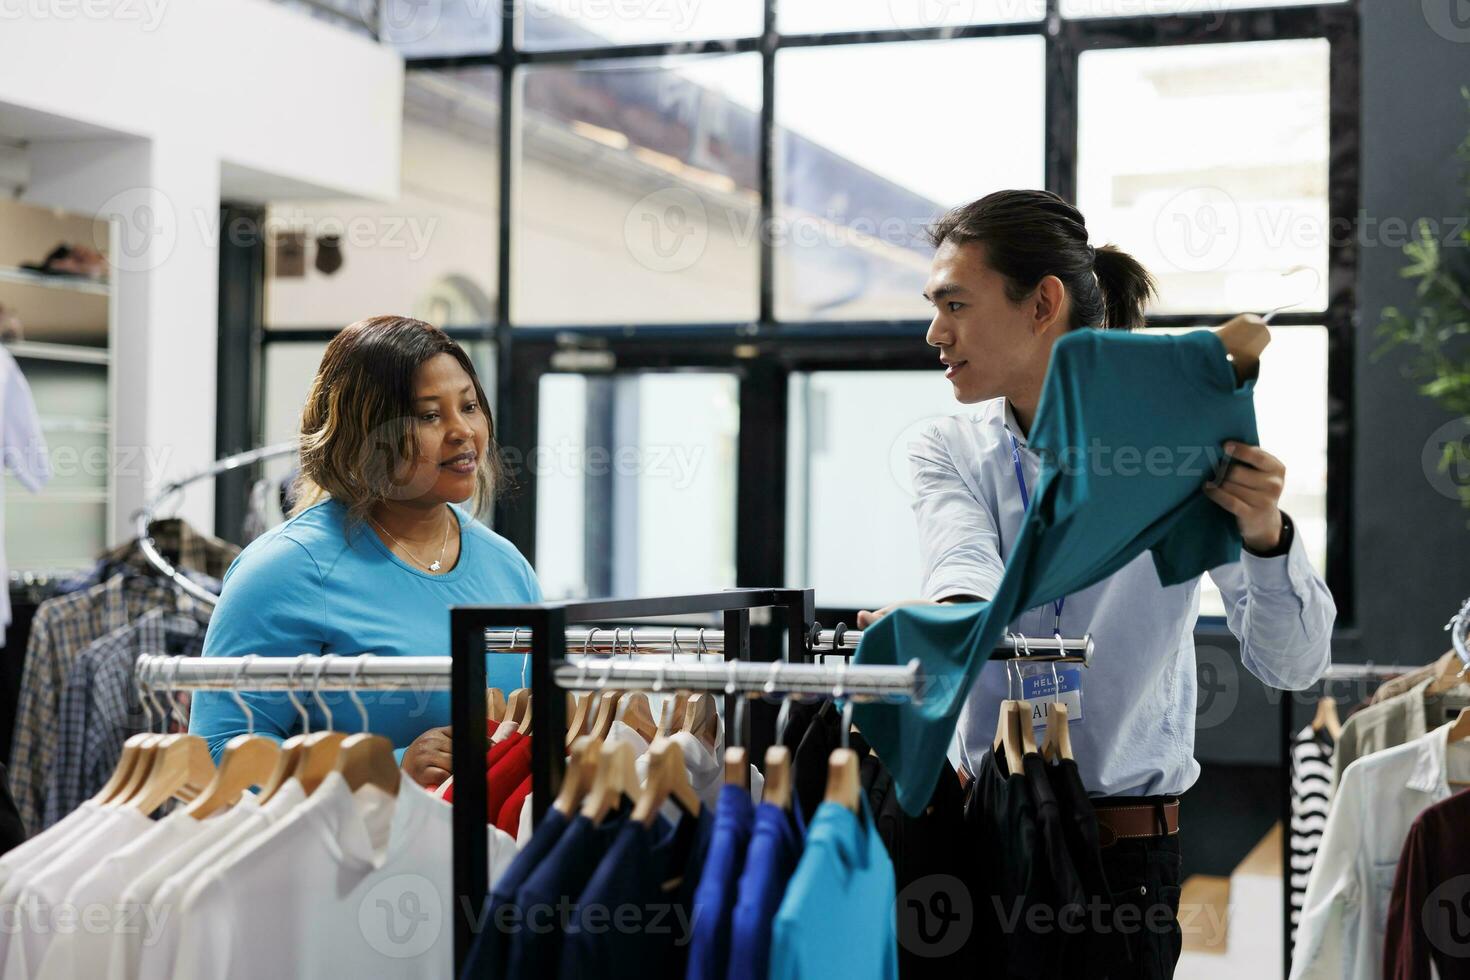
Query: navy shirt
(491, 952)
(775, 848)
(714, 900)
(633, 918)
(548, 898)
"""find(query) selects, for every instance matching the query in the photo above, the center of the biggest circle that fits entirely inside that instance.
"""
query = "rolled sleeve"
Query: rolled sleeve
(958, 541)
(1282, 613)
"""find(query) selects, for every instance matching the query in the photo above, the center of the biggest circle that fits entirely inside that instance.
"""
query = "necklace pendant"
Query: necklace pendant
(434, 566)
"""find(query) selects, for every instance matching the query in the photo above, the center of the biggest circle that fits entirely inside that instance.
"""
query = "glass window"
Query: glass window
(602, 23)
(822, 16)
(635, 491)
(636, 192)
(1135, 8)
(1291, 420)
(432, 253)
(444, 27)
(850, 530)
(1208, 163)
(866, 160)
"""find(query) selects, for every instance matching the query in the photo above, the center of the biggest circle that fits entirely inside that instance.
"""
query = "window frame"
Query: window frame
(763, 354)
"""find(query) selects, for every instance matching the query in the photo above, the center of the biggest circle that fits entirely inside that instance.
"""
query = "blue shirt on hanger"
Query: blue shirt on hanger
(838, 917)
(490, 954)
(714, 900)
(775, 848)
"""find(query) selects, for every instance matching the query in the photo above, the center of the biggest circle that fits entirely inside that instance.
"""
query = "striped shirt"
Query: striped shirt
(1311, 796)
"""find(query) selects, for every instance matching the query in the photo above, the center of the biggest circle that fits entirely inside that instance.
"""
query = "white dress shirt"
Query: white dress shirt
(1346, 909)
(1136, 736)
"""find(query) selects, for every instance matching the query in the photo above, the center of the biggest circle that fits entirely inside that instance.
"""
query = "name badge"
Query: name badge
(1040, 689)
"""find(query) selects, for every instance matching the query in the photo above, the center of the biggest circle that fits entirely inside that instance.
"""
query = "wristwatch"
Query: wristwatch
(1283, 544)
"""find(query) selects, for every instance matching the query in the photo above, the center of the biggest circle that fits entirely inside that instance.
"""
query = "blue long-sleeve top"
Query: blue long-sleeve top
(306, 586)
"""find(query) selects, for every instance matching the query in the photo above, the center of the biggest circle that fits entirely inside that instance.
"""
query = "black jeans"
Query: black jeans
(1144, 876)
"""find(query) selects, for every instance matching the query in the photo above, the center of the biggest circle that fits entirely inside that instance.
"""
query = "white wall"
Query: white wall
(151, 112)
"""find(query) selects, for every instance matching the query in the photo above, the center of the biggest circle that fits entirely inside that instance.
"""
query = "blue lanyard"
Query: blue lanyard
(1026, 504)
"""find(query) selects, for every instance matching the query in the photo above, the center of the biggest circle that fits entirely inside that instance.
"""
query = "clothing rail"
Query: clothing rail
(145, 516)
(856, 681)
(636, 640)
(328, 672)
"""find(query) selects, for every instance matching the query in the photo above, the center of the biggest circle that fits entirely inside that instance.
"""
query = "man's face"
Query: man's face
(986, 342)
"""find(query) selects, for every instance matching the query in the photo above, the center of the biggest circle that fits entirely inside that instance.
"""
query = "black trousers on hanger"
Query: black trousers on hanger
(1144, 875)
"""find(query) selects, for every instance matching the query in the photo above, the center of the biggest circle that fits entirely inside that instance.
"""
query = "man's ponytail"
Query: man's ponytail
(1126, 287)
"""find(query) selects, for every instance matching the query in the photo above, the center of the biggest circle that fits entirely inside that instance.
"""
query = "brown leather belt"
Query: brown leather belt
(1130, 821)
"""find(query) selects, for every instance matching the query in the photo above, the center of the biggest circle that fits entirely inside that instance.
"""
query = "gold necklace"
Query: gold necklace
(433, 566)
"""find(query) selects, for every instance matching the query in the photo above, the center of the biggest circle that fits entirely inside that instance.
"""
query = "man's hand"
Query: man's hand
(867, 618)
(1251, 492)
(430, 759)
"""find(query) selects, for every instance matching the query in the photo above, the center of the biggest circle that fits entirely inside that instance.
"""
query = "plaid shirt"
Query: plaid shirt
(66, 625)
(99, 706)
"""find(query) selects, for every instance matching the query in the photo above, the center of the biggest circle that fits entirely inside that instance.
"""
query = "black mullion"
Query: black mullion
(1344, 139)
(505, 373)
(1061, 106)
(767, 165)
(1215, 27)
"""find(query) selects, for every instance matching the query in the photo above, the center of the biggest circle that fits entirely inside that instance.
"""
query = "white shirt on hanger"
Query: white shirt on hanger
(1341, 935)
(362, 883)
(41, 903)
(155, 961)
(144, 921)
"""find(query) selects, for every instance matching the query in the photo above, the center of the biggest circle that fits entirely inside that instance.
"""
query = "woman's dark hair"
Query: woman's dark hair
(357, 427)
(1031, 234)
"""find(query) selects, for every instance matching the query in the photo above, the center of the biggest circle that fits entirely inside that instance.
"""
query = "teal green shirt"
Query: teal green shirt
(1128, 430)
(305, 587)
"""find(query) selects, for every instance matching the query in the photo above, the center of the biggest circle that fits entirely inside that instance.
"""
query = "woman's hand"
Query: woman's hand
(1252, 492)
(430, 759)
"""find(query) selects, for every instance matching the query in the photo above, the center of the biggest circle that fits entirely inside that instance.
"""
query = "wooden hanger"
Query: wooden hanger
(1327, 718)
(365, 759)
(777, 790)
(843, 782)
(697, 713)
(577, 723)
(606, 713)
(248, 760)
(1447, 675)
(673, 714)
(1028, 731)
(130, 768)
(517, 706)
(616, 777)
(318, 757)
(524, 726)
(182, 768)
(638, 715)
(286, 765)
(1008, 735)
(580, 774)
(667, 779)
(1244, 337)
(1058, 743)
(495, 704)
(737, 767)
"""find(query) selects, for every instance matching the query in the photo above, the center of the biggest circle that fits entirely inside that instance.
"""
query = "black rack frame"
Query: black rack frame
(547, 623)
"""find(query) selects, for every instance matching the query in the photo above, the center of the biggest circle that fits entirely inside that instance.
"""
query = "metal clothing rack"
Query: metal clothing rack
(1335, 672)
(143, 520)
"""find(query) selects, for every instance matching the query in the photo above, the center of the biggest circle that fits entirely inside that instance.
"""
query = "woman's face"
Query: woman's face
(453, 431)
